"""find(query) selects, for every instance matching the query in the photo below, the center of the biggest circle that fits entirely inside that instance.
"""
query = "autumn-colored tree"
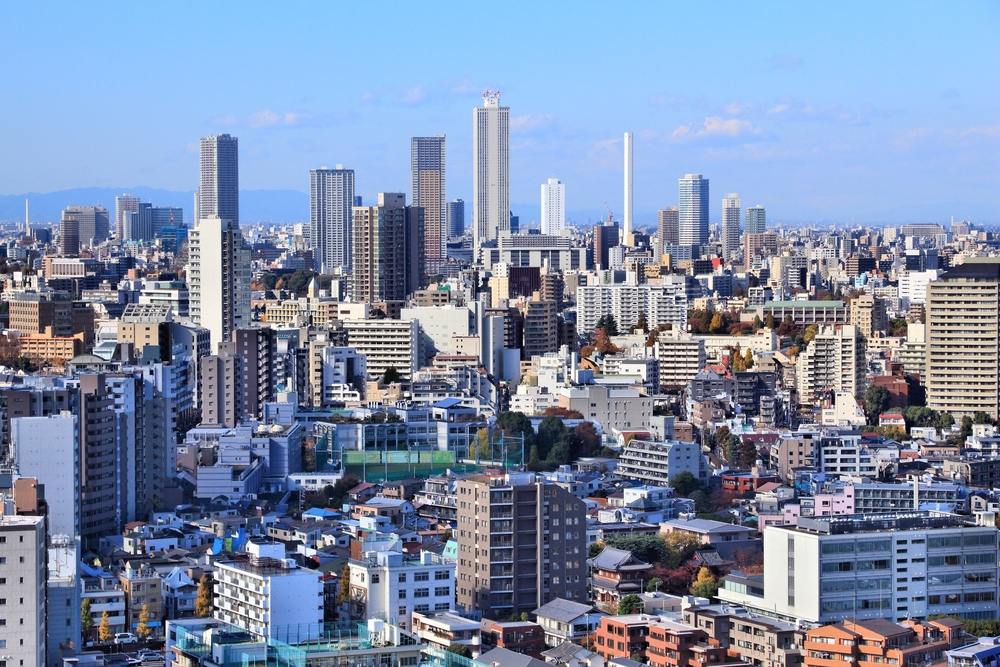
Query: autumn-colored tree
(203, 603)
(652, 339)
(641, 324)
(722, 436)
(738, 361)
(344, 589)
(602, 342)
(705, 584)
(484, 450)
(748, 359)
(104, 632)
(565, 413)
(142, 629)
(86, 617)
(717, 324)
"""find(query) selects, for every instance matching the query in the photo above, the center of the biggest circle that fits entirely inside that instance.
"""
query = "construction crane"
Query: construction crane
(610, 215)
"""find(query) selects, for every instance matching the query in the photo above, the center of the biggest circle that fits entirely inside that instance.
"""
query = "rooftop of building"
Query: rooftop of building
(876, 523)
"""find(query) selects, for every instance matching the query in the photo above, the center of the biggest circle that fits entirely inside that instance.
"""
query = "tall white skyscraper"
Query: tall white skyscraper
(123, 204)
(490, 169)
(693, 210)
(219, 188)
(331, 197)
(627, 218)
(730, 224)
(219, 269)
(219, 278)
(427, 189)
(553, 206)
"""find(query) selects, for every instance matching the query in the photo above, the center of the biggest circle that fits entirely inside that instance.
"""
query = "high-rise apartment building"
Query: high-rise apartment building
(222, 387)
(219, 187)
(521, 543)
(102, 475)
(219, 277)
(868, 314)
(123, 204)
(541, 327)
(962, 319)
(23, 552)
(693, 209)
(553, 206)
(835, 360)
(331, 198)
(259, 349)
(456, 218)
(668, 227)
(48, 449)
(756, 220)
(428, 191)
(388, 249)
(730, 224)
(490, 169)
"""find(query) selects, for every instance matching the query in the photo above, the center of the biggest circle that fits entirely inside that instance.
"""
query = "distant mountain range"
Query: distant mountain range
(255, 205)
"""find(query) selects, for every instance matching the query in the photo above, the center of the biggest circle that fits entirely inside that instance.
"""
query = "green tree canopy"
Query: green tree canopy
(629, 604)
(608, 323)
(876, 402)
(684, 483)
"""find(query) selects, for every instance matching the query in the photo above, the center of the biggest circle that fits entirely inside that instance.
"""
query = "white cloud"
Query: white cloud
(718, 127)
(268, 118)
(786, 61)
(664, 100)
(531, 123)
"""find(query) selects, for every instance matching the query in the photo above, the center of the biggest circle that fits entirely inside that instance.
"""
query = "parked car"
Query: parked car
(146, 655)
(126, 638)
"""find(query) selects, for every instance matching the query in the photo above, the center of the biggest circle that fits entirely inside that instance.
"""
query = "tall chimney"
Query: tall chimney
(627, 224)
(27, 229)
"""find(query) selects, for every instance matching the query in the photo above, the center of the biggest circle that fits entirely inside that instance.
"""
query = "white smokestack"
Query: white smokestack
(27, 229)
(627, 224)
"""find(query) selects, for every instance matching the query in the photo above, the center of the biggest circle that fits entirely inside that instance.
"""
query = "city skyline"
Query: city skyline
(907, 135)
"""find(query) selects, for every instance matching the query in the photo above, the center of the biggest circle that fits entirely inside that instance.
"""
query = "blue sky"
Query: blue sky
(876, 111)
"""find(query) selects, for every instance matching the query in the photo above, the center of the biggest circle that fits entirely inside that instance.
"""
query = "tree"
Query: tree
(722, 435)
(344, 585)
(684, 483)
(459, 649)
(946, 420)
(966, 427)
(608, 324)
(769, 321)
(981, 418)
(203, 603)
(391, 375)
(716, 325)
(757, 324)
(86, 618)
(652, 339)
(733, 449)
(584, 440)
(748, 359)
(876, 402)
(641, 324)
(630, 604)
(748, 453)
(142, 629)
(104, 630)
(484, 449)
(654, 585)
(596, 548)
(551, 431)
(602, 342)
(705, 585)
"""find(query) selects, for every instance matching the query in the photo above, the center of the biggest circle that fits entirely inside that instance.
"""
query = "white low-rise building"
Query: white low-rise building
(391, 585)
(261, 591)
